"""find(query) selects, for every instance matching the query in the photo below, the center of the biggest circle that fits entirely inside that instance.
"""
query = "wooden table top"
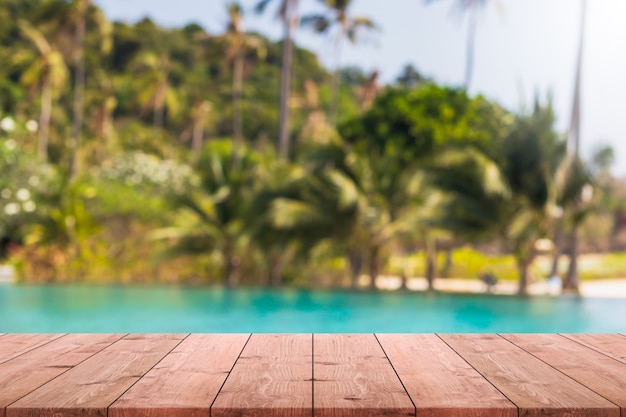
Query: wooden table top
(257, 375)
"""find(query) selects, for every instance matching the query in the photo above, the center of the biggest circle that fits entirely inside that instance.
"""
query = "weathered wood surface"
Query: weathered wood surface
(440, 382)
(613, 345)
(14, 345)
(534, 386)
(272, 377)
(200, 364)
(353, 377)
(89, 389)
(39, 366)
(312, 375)
(593, 369)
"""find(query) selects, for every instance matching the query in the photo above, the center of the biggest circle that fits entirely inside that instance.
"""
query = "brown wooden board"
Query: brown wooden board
(272, 377)
(29, 371)
(613, 345)
(90, 387)
(439, 381)
(534, 386)
(353, 377)
(602, 374)
(13, 345)
(185, 382)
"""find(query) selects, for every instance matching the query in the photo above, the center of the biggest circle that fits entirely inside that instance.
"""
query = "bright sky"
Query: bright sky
(523, 48)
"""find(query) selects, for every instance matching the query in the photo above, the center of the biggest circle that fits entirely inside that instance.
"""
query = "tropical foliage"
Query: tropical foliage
(136, 153)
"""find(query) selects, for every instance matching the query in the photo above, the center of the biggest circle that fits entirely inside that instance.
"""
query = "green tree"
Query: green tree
(212, 216)
(48, 73)
(288, 13)
(348, 27)
(238, 44)
(154, 89)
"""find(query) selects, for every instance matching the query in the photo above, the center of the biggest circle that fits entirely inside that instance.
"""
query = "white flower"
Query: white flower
(22, 194)
(29, 206)
(10, 144)
(33, 181)
(7, 124)
(32, 126)
(12, 209)
(586, 195)
(5, 193)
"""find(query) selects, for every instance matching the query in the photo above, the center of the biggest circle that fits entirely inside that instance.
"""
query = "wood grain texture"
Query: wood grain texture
(613, 345)
(602, 374)
(272, 377)
(535, 387)
(353, 377)
(14, 345)
(90, 387)
(29, 371)
(439, 381)
(185, 382)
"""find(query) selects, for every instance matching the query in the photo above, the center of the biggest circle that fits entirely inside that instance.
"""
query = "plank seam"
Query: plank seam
(229, 373)
(312, 374)
(60, 335)
(481, 374)
(561, 372)
(605, 353)
(397, 375)
(144, 374)
(68, 369)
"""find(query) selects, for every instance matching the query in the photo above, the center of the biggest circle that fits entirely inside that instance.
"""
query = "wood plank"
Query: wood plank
(13, 345)
(439, 381)
(602, 374)
(272, 377)
(353, 377)
(613, 345)
(534, 386)
(29, 371)
(90, 387)
(185, 382)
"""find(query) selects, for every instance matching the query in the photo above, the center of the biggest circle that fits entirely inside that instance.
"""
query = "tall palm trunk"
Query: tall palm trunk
(523, 265)
(276, 270)
(571, 282)
(335, 84)
(355, 259)
(471, 42)
(558, 242)
(374, 266)
(79, 88)
(237, 93)
(159, 105)
(291, 22)
(431, 263)
(44, 119)
(232, 271)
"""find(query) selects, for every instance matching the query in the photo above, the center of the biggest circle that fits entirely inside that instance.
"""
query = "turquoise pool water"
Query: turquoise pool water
(174, 309)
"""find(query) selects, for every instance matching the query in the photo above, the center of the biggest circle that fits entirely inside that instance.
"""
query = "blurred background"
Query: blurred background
(312, 143)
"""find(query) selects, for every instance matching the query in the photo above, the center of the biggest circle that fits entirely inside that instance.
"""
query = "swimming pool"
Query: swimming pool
(216, 310)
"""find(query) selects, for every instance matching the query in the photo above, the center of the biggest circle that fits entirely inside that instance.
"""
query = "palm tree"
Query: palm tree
(49, 72)
(288, 14)
(79, 82)
(348, 27)
(571, 281)
(155, 92)
(239, 43)
(472, 7)
(80, 11)
(212, 218)
(199, 113)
